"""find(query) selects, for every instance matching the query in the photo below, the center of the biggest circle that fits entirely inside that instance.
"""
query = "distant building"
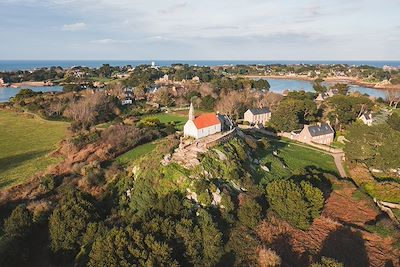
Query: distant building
(323, 96)
(320, 134)
(257, 115)
(201, 126)
(367, 118)
(127, 96)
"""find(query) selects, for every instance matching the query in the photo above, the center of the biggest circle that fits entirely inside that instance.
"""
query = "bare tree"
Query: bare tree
(234, 103)
(270, 100)
(393, 96)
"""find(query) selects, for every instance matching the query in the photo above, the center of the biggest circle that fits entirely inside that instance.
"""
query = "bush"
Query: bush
(297, 204)
(48, 183)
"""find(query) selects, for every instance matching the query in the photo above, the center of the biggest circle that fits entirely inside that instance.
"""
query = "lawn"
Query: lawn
(179, 120)
(25, 143)
(292, 159)
(136, 153)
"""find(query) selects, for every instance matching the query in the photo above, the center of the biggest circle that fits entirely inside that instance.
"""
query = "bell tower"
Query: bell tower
(191, 112)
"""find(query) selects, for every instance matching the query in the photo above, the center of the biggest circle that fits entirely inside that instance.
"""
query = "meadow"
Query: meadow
(177, 119)
(136, 153)
(293, 159)
(25, 142)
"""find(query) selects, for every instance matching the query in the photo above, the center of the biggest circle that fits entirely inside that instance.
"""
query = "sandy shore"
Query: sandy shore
(29, 84)
(349, 80)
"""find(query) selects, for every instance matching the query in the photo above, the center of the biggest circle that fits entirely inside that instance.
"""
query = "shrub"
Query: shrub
(48, 183)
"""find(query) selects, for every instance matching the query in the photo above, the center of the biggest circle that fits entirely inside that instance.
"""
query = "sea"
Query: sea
(12, 65)
(277, 85)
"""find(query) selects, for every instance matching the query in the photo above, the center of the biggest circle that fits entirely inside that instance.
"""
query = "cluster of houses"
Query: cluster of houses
(209, 124)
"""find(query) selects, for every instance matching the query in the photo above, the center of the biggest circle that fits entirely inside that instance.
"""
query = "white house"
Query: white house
(201, 126)
(257, 115)
(367, 119)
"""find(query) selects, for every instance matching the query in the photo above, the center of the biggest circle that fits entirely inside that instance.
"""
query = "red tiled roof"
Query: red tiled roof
(206, 120)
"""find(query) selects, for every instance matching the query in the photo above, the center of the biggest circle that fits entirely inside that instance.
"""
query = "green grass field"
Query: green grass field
(292, 159)
(136, 153)
(24, 144)
(177, 119)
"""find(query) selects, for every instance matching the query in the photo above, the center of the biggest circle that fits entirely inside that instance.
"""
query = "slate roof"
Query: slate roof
(368, 116)
(258, 111)
(206, 120)
(317, 130)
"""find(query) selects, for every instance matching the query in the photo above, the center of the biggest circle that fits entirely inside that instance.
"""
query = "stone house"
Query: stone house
(257, 115)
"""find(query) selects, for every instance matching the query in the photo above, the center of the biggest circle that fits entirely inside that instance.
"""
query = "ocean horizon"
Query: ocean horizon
(14, 65)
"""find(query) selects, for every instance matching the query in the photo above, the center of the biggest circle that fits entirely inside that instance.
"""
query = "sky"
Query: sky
(206, 29)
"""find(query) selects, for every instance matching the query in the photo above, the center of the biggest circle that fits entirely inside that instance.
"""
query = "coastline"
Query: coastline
(27, 84)
(349, 80)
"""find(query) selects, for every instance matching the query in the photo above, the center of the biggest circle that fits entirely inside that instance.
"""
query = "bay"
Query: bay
(7, 92)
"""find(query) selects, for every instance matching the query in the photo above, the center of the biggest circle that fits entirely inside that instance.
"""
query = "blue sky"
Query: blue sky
(207, 29)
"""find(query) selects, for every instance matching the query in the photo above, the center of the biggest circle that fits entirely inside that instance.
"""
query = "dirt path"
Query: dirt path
(339, 164)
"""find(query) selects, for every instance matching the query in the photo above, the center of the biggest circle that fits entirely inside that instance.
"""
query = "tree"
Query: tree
(68, 222)
(327, 262)
(235, 103)
(249, 213)
(260, 84)
(319, 88)
(163, 97)
(393, 96)
(129, 247)
(297, 204)
(342, 88)
(242, 245)
(19, 223)
(376, 146)
(346, 109)
(14, 244)
(292, 113)
(25, 93)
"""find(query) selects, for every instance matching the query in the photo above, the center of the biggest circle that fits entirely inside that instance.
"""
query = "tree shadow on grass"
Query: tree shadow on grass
(318, 177)
(346, 246)
(11, 162)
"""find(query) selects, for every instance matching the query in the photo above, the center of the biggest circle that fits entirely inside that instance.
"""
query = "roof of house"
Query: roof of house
(258, 111)
(367, 116)
(206, 120)
(224, 119)
(318, 130)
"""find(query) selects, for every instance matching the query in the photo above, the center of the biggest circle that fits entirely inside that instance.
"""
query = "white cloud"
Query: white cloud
(79, 26)
(109, 41)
